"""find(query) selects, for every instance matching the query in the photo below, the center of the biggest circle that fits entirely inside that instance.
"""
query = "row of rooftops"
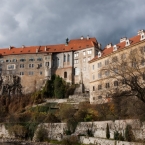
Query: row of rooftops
(72, 45)
(75, 45)
(124, 42)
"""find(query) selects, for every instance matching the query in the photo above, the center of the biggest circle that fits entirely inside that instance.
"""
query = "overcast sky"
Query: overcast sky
(41, 22)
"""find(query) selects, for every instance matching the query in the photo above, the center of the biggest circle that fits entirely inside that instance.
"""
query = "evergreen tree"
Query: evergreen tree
(107, 132)
(129, 134)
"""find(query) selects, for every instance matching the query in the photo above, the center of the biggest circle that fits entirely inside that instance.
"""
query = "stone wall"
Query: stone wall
(100, 141)
(98, 128)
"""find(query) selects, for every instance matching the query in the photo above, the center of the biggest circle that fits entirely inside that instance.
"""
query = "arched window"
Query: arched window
(65, 74)
(68, 58)
(64, 58)
(99, 97)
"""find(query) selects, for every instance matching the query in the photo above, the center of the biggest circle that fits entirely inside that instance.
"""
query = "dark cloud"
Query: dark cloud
(43, 22)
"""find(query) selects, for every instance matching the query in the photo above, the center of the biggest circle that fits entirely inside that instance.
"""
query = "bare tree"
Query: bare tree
(127, 74)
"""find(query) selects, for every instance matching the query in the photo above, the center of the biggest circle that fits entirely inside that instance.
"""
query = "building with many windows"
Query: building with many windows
(35, 64)
(113, 63)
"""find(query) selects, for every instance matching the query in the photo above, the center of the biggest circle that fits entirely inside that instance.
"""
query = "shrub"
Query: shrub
(72, 140)
(42, 134)
(129, 134)
(107, 131)
(89, 133)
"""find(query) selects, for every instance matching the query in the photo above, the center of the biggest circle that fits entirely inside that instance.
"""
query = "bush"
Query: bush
(129, 134)
(89, 133)
(107, 131)
(42, 134)
(72, 140)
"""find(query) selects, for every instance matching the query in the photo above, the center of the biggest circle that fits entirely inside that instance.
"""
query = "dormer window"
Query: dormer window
(114, 48)
(99, 54)
(142, 36)
(127, 43)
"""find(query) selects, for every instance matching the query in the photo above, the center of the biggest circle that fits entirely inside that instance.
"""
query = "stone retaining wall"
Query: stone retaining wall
(100, 141)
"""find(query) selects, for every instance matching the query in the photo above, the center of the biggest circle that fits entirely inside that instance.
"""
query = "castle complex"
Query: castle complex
(77, 61)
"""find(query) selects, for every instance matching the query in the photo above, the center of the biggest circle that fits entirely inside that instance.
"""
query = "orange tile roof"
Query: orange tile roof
(106, 51)
(73, 45)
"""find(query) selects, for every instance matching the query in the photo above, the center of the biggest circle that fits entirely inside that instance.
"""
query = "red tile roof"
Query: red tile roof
(73, 45)
(106, 51)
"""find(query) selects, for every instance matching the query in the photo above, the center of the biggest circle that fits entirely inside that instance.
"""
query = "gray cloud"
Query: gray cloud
(40, 22)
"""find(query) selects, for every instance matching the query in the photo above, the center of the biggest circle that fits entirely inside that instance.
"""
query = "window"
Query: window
(134, 63)
(123, 81)
(31, 65)
(99, 64)
(30, 73)
(143, 62)
(76, 54)
(114, 59)
(64, 58)
(143, 76)
(84, 68)
(39, 59)
(40, 65)
(58, 62)
(76, 61)
(123, 56)
(115, 83)
(1, 61)
(31, 59)
(40, 73)
(99, 97)
(21, 65)
(115, 70)
(84, 52)
(99, 87)
(142, 49)
(22, 59)
(21, 73)
(93, 67)
(107, 85)
(93, 88)
(107, 73)
(11, 66)
(89, 58)
(84, 59)
(89, 51)
(65, 74)
(93, 77)
(8, 60)
(106, 62)
(46, 63)
(68, 58)
(134, 79)
(99, 75)
(77, 71)
(14, 60)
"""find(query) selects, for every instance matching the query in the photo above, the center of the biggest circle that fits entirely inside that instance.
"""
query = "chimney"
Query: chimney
(10, 47)
(23, 46)
(82, 37)
(88, 37)
(114, 48)
(140, 32)
(123, 39)
(37, 50)
(99, 45)
(109, 45)
(45, 49)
